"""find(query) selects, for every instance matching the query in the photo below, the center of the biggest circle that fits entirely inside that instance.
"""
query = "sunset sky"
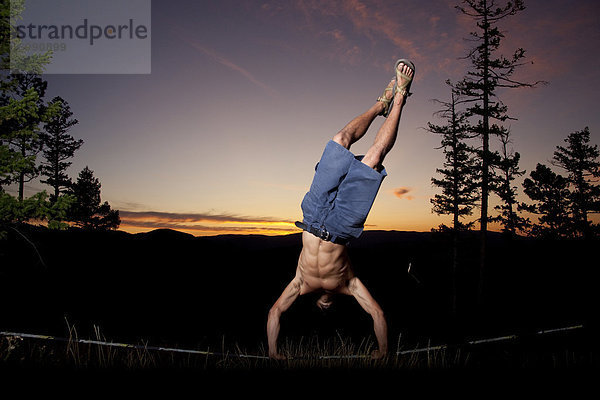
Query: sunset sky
(224, 134)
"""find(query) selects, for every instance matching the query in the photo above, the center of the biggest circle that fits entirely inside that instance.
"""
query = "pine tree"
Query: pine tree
(508, 168)
(459, 182)
(14, 113)
(59, 146)
(489, 72)
(13, 56)
(21, 111)
(88, 212)
(21, 92)
(550, 192)
(580, 160)
(25, 139)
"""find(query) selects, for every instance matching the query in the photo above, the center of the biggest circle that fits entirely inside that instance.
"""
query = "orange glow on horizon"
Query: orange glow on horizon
(287, 228)
(212, 232)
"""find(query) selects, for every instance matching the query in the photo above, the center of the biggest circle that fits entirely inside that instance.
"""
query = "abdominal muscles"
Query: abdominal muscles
(324, 265)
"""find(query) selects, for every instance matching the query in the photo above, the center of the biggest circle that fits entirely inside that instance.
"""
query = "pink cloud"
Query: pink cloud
(340, 27)
(401, 193)
(415, 32)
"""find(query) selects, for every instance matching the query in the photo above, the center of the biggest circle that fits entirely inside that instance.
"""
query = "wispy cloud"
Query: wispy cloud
(377, 20)
(204, 222)
(221, 59)
(555, 41)
(374, 32)
(194, 217)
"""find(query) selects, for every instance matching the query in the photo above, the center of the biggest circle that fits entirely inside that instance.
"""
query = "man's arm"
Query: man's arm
(287, 298)
(368, 303)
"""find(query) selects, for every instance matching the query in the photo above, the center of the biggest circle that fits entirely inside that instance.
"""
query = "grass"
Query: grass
(303, 354)
(306, 353)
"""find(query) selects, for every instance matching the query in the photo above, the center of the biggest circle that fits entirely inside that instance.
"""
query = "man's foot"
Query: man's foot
(405, 71)
(387, 97)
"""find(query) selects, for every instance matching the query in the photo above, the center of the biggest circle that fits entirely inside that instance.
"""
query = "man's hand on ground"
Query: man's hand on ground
(277, 356)
(377, 355)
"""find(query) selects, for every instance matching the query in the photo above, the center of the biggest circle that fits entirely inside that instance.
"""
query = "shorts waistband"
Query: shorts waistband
(321, 233)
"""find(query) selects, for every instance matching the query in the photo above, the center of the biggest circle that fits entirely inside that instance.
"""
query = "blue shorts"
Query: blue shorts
(341, 194)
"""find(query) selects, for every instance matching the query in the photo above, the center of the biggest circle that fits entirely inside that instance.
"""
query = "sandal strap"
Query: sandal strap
(404, 92)
(386, 102)
(383, 98)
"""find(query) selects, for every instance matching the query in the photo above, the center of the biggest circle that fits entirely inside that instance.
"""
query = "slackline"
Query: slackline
(252, 356)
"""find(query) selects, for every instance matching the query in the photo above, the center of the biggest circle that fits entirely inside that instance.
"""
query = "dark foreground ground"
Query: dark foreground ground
(169, 289)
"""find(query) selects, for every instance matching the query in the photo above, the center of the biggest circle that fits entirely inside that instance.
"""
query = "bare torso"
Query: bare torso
(323, 265)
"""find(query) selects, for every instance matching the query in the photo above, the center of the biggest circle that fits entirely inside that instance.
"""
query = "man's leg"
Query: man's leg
(386, 137)
(335, 161)
(357, 128)
(356, 192)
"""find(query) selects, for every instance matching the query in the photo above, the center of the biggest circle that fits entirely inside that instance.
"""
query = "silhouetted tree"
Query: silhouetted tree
(489, 72)
(459, 177)
(88, 212)
(21, 111)
(21, 101)
(508, 171)
(21, 106)
(580, 160)
(59, 146)
(550, 192)
(24, 127)
(13, 112)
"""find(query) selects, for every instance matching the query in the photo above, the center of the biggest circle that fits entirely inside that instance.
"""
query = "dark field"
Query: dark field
(169, 289)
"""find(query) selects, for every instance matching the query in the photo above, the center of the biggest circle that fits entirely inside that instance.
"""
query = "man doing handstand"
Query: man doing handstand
(335, 209)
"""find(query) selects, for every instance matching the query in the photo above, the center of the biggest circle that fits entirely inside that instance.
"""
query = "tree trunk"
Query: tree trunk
(454, 272)
(56, 184)
(22, 175)
(485, 165)
(456, 214)
(21, 185)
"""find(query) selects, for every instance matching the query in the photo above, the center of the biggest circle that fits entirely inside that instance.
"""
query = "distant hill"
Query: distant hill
(164, 234)
(368, 237)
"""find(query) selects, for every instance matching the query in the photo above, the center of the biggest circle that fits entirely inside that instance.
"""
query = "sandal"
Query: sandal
(404, 90)
(387, 103)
